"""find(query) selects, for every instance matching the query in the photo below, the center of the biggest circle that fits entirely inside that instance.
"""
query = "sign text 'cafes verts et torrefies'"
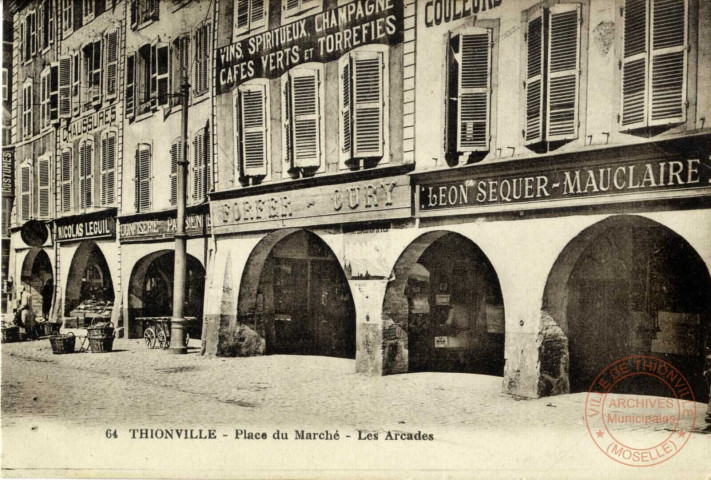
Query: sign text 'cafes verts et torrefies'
(322, 37)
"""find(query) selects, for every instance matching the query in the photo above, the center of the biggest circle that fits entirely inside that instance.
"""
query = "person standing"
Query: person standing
(27, 317)
(47, 293)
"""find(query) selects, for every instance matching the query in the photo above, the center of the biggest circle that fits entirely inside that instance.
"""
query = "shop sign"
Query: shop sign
(441, 342)
(89, 123)
(8, 171)
(323, 37)
(564, 183)
(370, 200)
(83, 228)
(196, 225)
(445, 11)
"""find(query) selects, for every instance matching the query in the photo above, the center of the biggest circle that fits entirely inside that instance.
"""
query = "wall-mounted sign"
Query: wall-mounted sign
(83, 228)
(369, 200)
(556, 182)
(34, 233)
(89, 123)
(445, 11)
(8, 171)
(196, 225)
(322, 37)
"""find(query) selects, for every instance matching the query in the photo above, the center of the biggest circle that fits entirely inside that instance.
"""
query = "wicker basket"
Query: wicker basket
(101, 344)
(63, 343)
(10, 334)
(100, 330)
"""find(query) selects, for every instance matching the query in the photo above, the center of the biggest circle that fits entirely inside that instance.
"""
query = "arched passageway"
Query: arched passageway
(295, 295)
(150, 291)
(630, 286)
(446, 296)
(89, 293)
(38, 280)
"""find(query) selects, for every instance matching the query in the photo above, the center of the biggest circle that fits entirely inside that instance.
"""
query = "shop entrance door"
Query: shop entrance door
(292, 322)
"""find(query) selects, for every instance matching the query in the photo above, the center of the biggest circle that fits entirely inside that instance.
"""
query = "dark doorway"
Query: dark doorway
(90, 291)
(38, 280)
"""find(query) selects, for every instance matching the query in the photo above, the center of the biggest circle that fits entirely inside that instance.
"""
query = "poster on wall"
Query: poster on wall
(366, 254)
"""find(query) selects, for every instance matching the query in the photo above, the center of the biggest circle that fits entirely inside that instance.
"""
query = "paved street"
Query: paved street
(46, 397)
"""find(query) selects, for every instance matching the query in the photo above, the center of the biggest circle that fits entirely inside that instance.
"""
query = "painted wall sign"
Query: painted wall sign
(89, 123)
(81, 229)
(322, 37)
(445, 11)
(559, 184)
(8, 171)
(387, 197)
(196, 225)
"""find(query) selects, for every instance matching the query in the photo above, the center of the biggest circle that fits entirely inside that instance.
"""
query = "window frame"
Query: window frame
(244, 31)
(27, 112)
(240, 168)
(45, 87)
(302, 7)
(67, 17)
(204, 170)
(26, 166)
(103, 201)
(198, 89)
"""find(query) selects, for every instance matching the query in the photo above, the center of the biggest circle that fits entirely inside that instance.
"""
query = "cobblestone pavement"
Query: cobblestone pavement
(134, 387)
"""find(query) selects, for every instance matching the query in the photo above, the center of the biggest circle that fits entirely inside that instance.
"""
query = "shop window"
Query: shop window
(143, 178)
(249, 15)
(92, 74)
(201, 83)
(65, 180)
(27, 104)
(143, 11)
(654, 63)
(362, 106)
(251, 139)
(181, 66)
(43, 187)
(67, 16)
(108, 168)
(86, 174)
(176, 153)
(295, 7)
(201, 165)
(111, 55)
(302, 118)
(25, 192)
(552, 75)
(468, 81)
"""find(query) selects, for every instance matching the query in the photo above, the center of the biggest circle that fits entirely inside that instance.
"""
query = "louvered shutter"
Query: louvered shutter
(96, 72)
(257, 14)
(253, 106)
(130, 86)
(175, 153)
(162, 74)
(43, 188)
(345, 96)
(534, 78)
(25, 193)
(54, 93)
(668, 60)
(242, 16)
(44, 98)
(154, 77)
(291, 7)
(563, 72)
(288, 137)
(634, 65)
(111, 43)
(198, 166)
(108, 169)
(40, 26)
(86, 156)
(76, 80)
(306, 122)
(66, 180)
(202, 57)
(207, 160)
(368, 104)
(473, 92)
(143, 176)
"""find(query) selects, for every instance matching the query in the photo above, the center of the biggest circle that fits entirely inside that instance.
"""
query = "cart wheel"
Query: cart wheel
(187, 338)
(163, 342)
(150, 337)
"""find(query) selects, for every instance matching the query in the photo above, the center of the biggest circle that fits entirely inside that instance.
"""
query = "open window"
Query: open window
(143, 11)
(92, 72)
(251, 128)
(302, 116)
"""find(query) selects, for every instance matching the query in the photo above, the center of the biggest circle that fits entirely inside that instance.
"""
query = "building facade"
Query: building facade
(8, 163)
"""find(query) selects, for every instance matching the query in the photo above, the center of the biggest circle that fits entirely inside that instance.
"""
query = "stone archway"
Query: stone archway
(443, 309)
(627, 286)
(37, 277)
(89, 279)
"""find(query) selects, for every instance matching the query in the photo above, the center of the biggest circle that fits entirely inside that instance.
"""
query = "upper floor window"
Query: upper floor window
(468, 83)
(295, 7)
(49, 95)
(65, 85)
(251, 127)
(201, 171)
(143, 11)
(43, 187)
(27, 104)
(86, 174)
(30, 34)
(552, 74)
(176, 153)
(362, 97)
(92, 74)
(201, 82)
(5, 88)
(147, 79)
(302, 117)
(65, 180)
(25, 192)
(111, 67)
(45, 26)
(108, 168)
(67, 16)
(654, 63)
(143, 178)
(249, 15)
(76, 84)
(181, 66)
(88, 10)
(44, 97)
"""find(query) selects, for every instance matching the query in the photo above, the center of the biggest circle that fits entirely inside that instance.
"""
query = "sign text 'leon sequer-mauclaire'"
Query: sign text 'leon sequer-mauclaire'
(322, 37)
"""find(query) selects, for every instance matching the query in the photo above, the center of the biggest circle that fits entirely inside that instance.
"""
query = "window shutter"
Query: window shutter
(66, 180)
(368, 104)
(43, 188)
(291, 7)
(534, 79)
(257, 14)
(40, 26)
(143, 173)
(154, 76)
(563, 72)
(242, 16)
(198, 166)
(108, 166)
(54, 93)
(253, 106)
(134, 13)
(76, 80)
(202, 57)
(44, 98)
(96, 72)
(306, 121)
(668, 61)
(32, 29)
(130, 86)
(288, 138)
(346, 100)
(207, 160)
(634, 65)
(85, 174)
(175, 152)
(25, 193)
(473, 91)
(111, 43)
(163, 73)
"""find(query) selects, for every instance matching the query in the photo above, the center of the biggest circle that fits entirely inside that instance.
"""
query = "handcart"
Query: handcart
(156, 331)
